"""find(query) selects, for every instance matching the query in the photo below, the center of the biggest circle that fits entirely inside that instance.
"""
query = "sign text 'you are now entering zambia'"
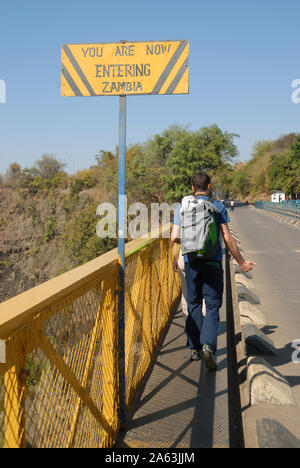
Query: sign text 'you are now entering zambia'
(125, 68)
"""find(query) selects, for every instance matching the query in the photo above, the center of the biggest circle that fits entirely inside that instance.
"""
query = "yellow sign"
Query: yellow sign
(125, 68)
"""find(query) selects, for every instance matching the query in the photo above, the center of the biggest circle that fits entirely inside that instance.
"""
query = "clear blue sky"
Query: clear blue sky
(244, 56)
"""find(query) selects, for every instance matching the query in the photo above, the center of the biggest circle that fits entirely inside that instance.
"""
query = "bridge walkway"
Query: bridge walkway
(182, 404)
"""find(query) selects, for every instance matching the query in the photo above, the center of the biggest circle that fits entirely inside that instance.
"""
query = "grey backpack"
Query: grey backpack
(199, 233)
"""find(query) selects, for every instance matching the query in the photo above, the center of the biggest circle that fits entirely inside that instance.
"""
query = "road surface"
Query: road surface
(275, 247)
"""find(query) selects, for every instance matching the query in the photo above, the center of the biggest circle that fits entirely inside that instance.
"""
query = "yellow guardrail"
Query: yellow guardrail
(59, 385)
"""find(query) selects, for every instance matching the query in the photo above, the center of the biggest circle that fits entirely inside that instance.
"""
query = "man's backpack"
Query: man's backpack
(199, 233)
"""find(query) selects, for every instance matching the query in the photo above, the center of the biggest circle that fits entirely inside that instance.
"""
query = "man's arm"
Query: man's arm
(176, 249)
(175, 234)
(234, 250)
(175, 237)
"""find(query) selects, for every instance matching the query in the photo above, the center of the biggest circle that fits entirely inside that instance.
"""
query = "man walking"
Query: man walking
(204, 277)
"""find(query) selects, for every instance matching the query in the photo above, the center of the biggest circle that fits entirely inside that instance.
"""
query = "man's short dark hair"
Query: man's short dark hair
(201, 181)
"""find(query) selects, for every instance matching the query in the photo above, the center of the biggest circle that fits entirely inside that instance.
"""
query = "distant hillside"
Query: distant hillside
(274, 165)
(48, 218)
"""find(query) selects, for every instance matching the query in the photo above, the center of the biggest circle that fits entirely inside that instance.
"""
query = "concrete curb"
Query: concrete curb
(250, 314)
(238, 271)
(267, 385)
(246, 294)
(256, 342)
(243, 280)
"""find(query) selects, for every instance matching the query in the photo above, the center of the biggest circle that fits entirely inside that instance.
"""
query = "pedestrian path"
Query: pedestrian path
(183, 405)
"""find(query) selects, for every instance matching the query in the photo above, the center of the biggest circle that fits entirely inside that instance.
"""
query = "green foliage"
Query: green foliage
(207, 149)
(14, 170)
(106, 170)
(222, 181)
(47, 200)
(162, 167)
(160, 147)
(13, 174)
(52, 202)
(35, 366)
(76, 186)
(69, 203)
(6, 264)
(50, 228)
(36, 183)
(143, 175)
(48, 167)
(48, 174)
(60, 180)
(33, 371)
(284, 171)
(260, 149)
(273, 165)
(3, 222)
(33, 212)
(80, 238)
(83, 180)
(241, 183)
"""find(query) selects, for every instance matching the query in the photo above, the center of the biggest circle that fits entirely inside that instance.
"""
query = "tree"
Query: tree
(83, 180)
(48, 167)
(104, 158)
(143, 175)
(222, 181)
(13, 173)
(241, 182)
(80, 238)
(294, 171)
(267, 169)
(106, 171)
(160, 147)
(207, 149)
(284, 170)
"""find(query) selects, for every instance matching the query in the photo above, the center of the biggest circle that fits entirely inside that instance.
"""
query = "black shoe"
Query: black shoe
(196, 355)
(209, 357)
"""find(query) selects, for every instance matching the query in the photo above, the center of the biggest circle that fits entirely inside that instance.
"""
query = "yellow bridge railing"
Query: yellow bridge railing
(59, 384)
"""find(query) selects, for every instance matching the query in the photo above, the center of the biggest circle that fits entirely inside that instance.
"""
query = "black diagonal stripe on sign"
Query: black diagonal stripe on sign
(163, 77)
(78, 70)
(71, 82)
(178, 77)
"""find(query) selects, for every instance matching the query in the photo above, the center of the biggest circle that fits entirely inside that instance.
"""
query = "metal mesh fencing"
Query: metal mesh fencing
(285, 209)
(59, 386)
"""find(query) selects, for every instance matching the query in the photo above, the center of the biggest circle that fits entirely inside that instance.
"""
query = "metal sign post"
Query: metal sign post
(122, 221)
(122, 69)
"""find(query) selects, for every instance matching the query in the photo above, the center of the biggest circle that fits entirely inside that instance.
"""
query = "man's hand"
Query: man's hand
(246, 266)
(234, 250)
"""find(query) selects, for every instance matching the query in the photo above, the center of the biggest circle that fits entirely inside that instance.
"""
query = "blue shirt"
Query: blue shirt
(222, 218)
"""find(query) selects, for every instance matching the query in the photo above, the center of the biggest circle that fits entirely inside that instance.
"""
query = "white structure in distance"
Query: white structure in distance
(278, 196)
